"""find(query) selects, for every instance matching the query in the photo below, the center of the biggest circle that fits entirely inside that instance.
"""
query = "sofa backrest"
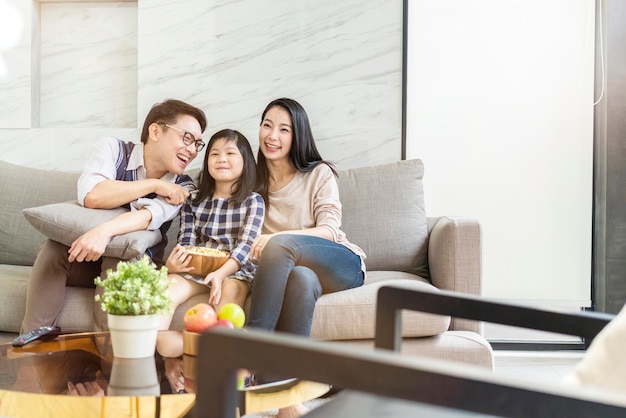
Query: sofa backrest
(383, 213)
(21, 188)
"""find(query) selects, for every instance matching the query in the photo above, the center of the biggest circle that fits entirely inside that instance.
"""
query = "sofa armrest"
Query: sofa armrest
(455, 260)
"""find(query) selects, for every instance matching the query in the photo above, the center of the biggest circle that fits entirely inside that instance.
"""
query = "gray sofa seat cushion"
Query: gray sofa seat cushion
(24, 187)
(460, 346)
(77, 314)
(351, 314)
(13, 285)
(384, 214)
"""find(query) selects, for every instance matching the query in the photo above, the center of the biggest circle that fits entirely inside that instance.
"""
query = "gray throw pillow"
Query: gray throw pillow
(64, 222)
(383, 213)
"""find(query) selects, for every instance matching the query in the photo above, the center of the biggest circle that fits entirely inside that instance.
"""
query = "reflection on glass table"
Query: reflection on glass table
(35, 380)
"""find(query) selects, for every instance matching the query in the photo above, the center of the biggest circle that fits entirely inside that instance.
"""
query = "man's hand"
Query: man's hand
(90, 246)
(173, 193)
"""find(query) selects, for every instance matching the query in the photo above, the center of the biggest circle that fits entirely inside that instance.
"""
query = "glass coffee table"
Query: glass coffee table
(34, 382)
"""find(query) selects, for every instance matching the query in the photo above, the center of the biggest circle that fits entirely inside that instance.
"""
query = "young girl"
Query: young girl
(223, 213)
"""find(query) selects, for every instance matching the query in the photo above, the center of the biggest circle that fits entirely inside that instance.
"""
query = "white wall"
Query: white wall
(500, 108)
(500, 99)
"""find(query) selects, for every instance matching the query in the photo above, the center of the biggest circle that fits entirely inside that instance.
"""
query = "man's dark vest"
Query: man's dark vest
(126, 148)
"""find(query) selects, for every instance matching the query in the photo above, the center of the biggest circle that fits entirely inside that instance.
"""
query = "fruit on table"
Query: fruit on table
(223, 323)
(199, 318)
(233, 313)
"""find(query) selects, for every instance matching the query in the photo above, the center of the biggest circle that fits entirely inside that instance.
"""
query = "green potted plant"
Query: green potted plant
(134, 297)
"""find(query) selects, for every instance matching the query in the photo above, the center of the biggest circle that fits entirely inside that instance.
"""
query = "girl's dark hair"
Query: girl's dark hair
(245, 184)
(303, 153)
(168, 112)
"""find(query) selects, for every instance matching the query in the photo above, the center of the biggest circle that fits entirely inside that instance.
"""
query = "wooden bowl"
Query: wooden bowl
(204, 264)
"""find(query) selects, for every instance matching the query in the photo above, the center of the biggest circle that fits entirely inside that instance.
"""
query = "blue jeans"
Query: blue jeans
(294, 271)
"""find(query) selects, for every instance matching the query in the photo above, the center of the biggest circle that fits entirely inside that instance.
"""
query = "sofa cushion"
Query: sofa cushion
(24, 187)
(65, 222)
(14, 283)
(383, 213)
(458, 346)
(76, 315)
(351, 314)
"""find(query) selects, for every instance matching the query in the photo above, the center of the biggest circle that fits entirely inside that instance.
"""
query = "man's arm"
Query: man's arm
(110, 194)
(98, 188)
(91, 245)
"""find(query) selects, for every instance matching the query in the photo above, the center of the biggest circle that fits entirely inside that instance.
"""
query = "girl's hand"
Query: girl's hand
(259, 244)
(216, 287)
(178, 260)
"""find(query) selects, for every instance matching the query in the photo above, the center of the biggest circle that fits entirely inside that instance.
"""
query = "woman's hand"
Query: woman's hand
(259, 244)
(178, 260)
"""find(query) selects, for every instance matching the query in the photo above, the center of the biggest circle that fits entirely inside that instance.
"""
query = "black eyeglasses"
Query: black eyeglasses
(187, 138)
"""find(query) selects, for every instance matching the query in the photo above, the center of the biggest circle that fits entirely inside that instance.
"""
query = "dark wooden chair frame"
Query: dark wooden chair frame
(386, 373)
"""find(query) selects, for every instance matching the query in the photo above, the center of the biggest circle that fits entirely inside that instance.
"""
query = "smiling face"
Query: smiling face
(225, 161)
(276, 134)
(171, 152)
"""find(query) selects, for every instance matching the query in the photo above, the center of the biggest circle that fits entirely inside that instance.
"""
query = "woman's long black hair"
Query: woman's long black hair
(303, 153)
(245, 184)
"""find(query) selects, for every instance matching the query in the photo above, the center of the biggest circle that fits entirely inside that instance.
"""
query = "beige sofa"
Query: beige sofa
(383, 213)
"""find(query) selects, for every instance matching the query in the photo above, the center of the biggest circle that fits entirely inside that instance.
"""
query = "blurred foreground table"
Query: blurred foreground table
(34, 383)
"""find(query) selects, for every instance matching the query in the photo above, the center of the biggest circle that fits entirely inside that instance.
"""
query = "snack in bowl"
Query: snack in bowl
(205, 260)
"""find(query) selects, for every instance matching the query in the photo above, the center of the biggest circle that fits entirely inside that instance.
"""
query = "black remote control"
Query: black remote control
(41, 333)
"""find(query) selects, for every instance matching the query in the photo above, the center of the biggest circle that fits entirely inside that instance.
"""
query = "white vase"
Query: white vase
(133, 377)
(133, 336)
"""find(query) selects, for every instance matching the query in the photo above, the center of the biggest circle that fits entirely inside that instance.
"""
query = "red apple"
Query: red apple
(199, 318)
(223, 323)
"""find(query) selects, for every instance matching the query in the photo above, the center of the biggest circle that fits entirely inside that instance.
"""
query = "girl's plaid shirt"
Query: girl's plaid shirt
(224, 225)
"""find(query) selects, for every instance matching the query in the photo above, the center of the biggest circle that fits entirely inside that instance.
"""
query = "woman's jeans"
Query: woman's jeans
(294, 271)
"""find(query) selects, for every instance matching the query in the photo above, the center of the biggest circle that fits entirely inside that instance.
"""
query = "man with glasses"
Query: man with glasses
(146, 178)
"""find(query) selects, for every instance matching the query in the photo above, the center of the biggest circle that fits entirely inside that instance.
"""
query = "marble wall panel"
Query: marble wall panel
(56, 148)
(88, 65)
(342, 59)
(15, 67)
